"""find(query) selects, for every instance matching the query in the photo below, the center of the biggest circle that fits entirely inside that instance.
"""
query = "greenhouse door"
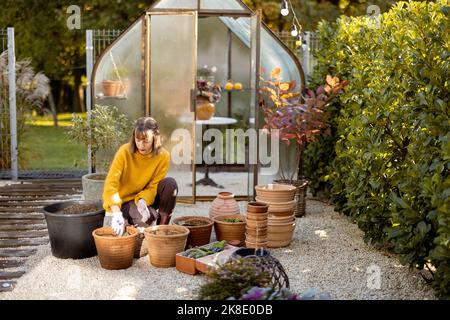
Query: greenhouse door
(171, 63)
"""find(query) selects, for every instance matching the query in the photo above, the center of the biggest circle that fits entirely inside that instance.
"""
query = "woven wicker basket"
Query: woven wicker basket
(300, 194)
(115, 252)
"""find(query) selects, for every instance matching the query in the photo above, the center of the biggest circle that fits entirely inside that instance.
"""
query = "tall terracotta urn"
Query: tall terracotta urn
(224, 204)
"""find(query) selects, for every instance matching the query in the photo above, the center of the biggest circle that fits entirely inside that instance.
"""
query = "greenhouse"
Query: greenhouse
(156, 66)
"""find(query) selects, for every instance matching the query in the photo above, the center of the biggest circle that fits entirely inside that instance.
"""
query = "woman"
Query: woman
(136, 185)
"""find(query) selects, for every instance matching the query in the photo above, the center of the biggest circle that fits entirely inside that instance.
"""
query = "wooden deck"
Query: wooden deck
(22, 223)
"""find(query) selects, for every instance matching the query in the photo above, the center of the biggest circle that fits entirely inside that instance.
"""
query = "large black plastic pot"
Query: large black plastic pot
(71, 234)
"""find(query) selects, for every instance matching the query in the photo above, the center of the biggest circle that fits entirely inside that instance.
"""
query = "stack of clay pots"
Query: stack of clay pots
(281, 218)
(256, 228)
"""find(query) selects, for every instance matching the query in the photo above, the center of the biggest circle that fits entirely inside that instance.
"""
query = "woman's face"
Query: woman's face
(144, 145)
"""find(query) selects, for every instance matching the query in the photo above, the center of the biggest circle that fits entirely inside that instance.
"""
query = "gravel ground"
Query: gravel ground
(327, 253)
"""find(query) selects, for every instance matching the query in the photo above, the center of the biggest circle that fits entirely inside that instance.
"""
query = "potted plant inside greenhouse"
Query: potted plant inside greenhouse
(208, 93)
(116, 82)
(300, 117)
(104, 128)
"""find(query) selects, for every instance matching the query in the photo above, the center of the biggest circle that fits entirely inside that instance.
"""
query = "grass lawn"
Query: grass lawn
(45, 147)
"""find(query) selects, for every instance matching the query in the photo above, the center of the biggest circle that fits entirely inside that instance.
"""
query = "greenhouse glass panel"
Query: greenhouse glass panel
(172, 79)
(222, 5)
(118, 78)
(118, 75)
(176, 4)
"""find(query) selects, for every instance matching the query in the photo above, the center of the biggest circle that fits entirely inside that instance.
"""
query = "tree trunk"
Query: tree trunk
(51, 102)
(76, 92)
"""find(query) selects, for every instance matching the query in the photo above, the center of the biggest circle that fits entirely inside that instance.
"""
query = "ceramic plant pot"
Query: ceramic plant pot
(164, 242)
(115, 252)
(229, 230)
(275, 192)
(200, 229)
(224, 204)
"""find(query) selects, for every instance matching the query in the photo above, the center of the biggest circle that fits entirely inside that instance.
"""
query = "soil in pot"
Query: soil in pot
(78, 208)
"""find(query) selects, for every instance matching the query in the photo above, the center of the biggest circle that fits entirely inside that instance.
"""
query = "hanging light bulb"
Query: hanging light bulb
(294, 31)
(284, 8)
(298, 43)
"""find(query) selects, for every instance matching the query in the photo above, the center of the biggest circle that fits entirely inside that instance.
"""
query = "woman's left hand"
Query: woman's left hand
(143, 210)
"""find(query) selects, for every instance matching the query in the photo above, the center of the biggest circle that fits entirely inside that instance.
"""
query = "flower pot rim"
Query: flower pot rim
(226, 195)
(185, 230)
(89, 175)
(279, 187)
(63, 204)
(129, 228)
(187, 218)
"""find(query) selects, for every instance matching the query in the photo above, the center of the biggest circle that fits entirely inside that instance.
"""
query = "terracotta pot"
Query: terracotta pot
(224, 204)
(300, 194)
(229, 230)
(256, 223)
(256, 239)
(257, 207)
(164, 242)
(276, 192)
(280, 235)
(256, 232)
(281, 219)
(115, 252)
(255, 245)
(281, 207)
(111, 88)
(200, 229)
(257, 216)
(205, 109)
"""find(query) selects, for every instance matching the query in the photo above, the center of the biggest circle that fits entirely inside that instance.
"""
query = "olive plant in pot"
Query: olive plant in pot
(103, 128)
(299, 118)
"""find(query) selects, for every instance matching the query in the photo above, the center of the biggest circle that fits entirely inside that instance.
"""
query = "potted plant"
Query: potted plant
(208, 93)
(229, 227)
(70, 225)
(299, 117)
(115, 82)
(103, 128)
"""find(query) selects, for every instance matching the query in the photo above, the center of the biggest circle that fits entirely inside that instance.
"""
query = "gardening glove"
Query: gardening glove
(118, 223)
(143, 210)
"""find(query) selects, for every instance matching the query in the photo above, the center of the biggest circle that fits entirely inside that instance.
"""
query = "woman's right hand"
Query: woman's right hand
(118, 223)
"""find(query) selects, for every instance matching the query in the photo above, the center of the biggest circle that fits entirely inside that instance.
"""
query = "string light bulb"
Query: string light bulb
(284, 8)
(298, 43)
(294, 31)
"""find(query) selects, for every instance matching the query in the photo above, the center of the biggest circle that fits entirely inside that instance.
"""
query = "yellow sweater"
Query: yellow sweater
(134, 176)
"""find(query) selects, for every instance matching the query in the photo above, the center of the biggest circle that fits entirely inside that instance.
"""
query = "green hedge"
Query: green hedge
(389, 165)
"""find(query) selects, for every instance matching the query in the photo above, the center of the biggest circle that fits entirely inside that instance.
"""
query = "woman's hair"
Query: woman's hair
(142, 127)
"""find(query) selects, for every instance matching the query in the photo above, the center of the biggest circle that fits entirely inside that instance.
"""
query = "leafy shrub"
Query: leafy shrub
(104, 128)
(391, 166)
